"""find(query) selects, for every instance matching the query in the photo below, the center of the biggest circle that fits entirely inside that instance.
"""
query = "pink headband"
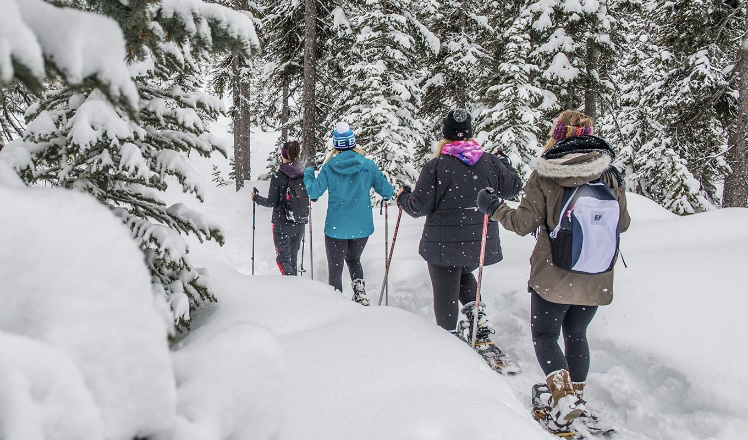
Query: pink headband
(562, 131)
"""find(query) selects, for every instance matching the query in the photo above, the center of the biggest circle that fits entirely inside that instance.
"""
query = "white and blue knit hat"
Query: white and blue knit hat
(342, 137)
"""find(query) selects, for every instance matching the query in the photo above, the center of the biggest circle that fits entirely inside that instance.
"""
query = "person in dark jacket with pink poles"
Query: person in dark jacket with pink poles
(287, 234)
(445, 193)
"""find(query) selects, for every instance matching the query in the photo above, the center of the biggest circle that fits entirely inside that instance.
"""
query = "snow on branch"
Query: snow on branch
(80, 45)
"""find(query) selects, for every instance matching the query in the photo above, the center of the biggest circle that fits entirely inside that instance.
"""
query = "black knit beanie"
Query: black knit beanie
(457, 125)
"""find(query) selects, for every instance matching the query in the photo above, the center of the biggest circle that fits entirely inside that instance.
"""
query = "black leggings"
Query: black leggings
(450, 284)
(548, 319)
(344, 250)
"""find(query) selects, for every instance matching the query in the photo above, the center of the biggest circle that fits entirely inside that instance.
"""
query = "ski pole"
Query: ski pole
(386, 245)
(389, 258)
(311, 248)
(301, 270)
(480, 277)
(254, 210)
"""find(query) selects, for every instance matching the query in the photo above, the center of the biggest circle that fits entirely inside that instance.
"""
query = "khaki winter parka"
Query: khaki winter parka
(577, 160)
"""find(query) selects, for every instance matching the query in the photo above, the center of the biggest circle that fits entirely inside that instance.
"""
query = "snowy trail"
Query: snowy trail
(644, 378)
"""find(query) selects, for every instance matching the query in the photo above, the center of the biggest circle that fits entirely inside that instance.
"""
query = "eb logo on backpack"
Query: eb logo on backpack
(296, 201)
(587, 235)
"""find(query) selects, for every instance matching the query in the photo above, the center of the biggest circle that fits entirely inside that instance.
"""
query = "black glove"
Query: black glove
(310, 163)
(406, 190)
(254, 192)
(503, 157)
(487, 201)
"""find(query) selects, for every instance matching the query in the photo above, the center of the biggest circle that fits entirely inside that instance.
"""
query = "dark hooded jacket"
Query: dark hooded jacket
(278, 184)
(445, 193)
(570, 163)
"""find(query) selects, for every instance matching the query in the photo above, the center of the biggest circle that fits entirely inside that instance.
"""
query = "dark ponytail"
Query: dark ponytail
(293, 149)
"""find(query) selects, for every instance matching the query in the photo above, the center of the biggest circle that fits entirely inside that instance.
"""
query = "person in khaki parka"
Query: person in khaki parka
(562, 299)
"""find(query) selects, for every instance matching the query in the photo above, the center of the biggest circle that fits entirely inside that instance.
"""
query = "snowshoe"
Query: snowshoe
(496, 359)
(583, 427)
(589, 424)
(541, 412)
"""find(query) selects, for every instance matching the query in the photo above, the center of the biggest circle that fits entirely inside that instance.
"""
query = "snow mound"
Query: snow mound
(78, 311)
(363, 372)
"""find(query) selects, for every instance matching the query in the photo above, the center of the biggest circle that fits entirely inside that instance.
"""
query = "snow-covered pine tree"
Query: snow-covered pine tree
(81, 139)
(233, 72)
(693, 101)
(279, 72)
(454, 75)
(380, 94)
(574, 47)
(336, 39)
(513, 104)
(624, 121)
(283, 57)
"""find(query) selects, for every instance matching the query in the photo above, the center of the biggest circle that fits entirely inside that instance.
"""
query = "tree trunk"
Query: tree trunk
(284, 110)
(735, 193)
(590, 92)
(310, 79)
(461, 97)
(240, 114)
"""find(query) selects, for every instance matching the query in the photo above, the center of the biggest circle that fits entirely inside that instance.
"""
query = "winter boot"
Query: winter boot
(485, 329)
(565, 405)
(359, 292)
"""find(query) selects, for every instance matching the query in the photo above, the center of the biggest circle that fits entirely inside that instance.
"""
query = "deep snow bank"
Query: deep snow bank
(365, 372)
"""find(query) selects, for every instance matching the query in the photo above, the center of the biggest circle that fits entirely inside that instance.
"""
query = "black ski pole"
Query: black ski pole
(480, 277)
(301, 270)
(254, 210)
(389, 258)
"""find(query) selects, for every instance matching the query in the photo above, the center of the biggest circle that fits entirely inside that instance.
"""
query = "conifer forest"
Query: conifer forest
(113, 97)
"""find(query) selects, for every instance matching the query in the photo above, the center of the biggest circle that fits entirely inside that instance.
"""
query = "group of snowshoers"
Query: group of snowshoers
(574, 202)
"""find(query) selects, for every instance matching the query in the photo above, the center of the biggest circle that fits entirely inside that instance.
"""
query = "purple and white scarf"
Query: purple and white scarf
(467, 151)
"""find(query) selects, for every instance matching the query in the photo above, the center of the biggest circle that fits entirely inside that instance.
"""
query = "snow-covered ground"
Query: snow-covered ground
(288, 358)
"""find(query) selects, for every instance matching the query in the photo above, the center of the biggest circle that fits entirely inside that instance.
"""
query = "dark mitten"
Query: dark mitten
(406, 190)
(487, 201)
(310, 163)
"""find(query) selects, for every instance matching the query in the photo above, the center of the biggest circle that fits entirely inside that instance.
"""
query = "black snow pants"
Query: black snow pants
(287, 238)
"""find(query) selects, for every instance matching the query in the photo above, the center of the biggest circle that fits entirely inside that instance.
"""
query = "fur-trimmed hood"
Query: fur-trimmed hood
(575, 160)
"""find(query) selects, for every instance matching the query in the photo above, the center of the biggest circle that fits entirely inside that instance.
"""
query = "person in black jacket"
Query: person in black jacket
(445, 193)
(287, 234)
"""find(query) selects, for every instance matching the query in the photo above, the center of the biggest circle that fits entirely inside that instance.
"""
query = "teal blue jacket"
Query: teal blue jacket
(348, 177)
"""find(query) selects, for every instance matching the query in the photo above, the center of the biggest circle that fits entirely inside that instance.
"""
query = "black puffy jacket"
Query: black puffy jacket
(445, 193)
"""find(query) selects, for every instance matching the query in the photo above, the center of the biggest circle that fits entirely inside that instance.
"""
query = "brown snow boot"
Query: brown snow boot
(565, 405)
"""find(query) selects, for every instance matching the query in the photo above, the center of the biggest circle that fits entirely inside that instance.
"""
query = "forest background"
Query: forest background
(115, 115)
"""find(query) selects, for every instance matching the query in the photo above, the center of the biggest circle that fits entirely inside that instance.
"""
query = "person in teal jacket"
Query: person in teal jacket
(348, 176)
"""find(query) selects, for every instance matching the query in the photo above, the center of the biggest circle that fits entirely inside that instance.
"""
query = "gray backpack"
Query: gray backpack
(587, 235)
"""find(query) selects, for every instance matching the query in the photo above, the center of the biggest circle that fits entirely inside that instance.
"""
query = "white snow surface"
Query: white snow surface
(287, 358)
(80, 328)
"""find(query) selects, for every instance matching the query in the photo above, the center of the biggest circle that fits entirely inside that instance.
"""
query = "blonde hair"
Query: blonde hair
(441, 144)
(335, 151)
(572, 120)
